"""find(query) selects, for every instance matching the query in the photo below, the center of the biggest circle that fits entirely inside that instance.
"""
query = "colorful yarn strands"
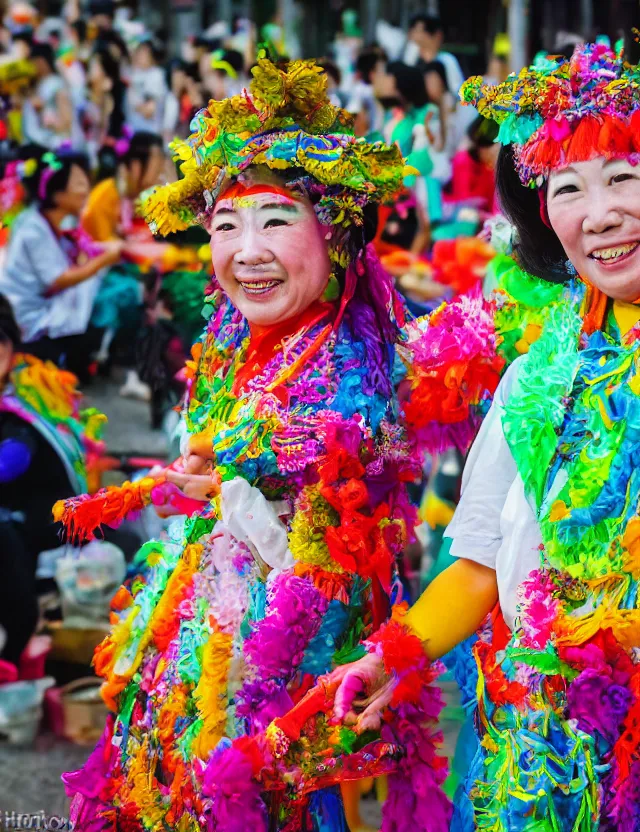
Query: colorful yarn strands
(279, 578)
(563, 111)
(559, 698)
(47, 398)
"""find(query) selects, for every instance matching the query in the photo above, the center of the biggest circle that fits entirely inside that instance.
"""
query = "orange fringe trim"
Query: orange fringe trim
(595, 305)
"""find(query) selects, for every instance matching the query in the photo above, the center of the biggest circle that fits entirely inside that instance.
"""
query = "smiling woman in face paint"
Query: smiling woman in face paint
(269, 252)
(594, 208)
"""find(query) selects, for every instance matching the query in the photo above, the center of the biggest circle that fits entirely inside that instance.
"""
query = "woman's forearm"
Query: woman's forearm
(453, 606)
(78, 274)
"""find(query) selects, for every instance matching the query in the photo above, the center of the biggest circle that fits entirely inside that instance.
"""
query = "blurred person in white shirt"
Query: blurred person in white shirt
(49, 118)
(147, 91)
(361, 101)
(425, 37)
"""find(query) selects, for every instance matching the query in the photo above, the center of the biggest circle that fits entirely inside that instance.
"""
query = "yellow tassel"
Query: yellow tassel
(210, 694)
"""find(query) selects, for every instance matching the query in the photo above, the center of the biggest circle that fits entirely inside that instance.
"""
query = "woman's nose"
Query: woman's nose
(603, 214)
(253, 250)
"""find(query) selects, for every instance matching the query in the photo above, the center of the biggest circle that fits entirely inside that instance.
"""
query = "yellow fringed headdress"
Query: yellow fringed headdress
(284, 122)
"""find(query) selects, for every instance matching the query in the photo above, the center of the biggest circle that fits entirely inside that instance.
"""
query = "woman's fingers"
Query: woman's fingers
(350, 687)
(371, 717)
(198, 487)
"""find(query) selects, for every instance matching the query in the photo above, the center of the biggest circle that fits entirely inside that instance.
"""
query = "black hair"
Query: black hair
(26, 35)
(109, 39)
(409, 83)
(209, 44)
(44, 51)
(483, 131)
(165, 297)
(537, 249)
(437, 67)
(106, 8)
(9, 329)
(366, 63)
(431, 23)
(172, 66)
(57, 180)
(140, 147)
(234, 59)
(111, 68)
(157, 52)
(80, 27)
(139, 150)
(331, 69)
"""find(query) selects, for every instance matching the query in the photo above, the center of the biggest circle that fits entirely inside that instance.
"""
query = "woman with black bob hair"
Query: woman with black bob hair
(548, 523)
(51, 270)
(126, 169)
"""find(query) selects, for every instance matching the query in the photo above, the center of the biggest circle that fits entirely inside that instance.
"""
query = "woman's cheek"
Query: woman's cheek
(568, 228)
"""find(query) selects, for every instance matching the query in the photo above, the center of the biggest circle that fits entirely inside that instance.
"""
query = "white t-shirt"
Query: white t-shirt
(495, 524)
(146, 84)
(361, 99)
(34, 261)
(35, 124)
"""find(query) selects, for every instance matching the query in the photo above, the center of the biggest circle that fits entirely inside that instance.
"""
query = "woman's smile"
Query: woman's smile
(614, 254)
(260, 288)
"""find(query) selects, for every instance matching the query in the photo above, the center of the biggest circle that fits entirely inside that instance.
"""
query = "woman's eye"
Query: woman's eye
(225, 226)
(622, 177)
(275, 222)
(566, 189)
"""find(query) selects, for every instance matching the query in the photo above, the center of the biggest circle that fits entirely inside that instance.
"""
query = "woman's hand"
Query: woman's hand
(196, 479)
(112, 251)
(365, 691)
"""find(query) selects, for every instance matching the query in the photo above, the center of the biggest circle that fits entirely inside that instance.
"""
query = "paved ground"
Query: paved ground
(30, 777)
(128, 430)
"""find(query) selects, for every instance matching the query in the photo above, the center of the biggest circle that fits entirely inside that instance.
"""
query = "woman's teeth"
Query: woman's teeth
(606, 254)
(257, 287)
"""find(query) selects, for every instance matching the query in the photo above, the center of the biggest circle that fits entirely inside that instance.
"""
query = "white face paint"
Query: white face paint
(269, 254)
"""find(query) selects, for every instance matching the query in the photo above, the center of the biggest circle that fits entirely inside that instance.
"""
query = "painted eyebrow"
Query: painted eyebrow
(292, 207)
(567, 170)
(223, 211)
(616, 160)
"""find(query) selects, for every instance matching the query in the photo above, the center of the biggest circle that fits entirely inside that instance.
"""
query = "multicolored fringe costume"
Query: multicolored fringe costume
(240, 613)
(46, 397)
(315, 428)
(559, 698)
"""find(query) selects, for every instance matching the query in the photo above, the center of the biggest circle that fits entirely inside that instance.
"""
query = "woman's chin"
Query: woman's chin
(623, 287)
(264, 314)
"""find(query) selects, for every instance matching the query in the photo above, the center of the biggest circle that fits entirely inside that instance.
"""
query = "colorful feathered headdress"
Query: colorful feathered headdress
(286, 123)
(562, 111)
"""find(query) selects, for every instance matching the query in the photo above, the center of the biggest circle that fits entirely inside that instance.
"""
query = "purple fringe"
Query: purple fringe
(416, 799)
(232, 793)
(276, 648)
